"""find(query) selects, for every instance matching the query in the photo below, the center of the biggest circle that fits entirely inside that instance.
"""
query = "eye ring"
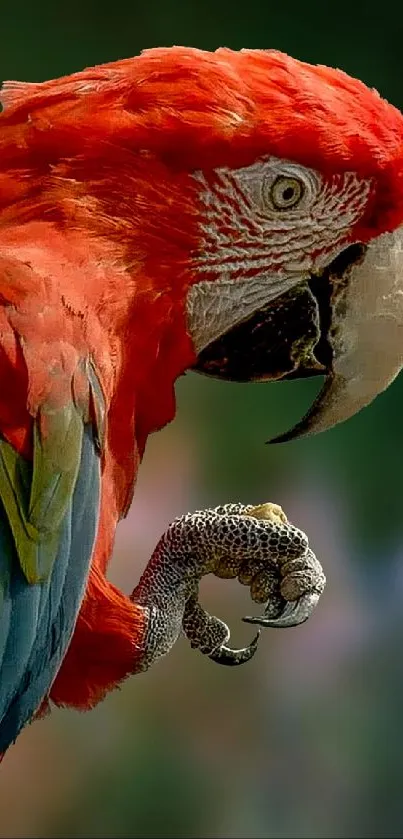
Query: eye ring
(286, 192)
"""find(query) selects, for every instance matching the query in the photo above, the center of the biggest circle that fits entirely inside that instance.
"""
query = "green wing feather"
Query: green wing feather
(36, 495)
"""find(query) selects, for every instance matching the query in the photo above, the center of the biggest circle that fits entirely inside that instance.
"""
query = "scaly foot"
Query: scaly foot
(258, 546)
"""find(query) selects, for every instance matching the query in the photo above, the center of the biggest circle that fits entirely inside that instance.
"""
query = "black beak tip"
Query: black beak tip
(299, 430)
(281, 438)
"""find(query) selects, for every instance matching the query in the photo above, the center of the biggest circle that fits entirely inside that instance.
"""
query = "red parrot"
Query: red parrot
(236, 213)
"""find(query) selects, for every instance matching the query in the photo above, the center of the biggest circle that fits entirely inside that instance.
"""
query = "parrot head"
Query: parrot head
(303, 250)
(251, 204)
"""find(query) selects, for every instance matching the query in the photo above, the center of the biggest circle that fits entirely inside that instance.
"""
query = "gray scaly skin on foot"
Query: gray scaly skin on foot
(257, 545)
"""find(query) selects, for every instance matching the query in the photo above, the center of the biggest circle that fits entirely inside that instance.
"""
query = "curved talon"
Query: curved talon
(210, 636)
(295, 612)
(231, 658)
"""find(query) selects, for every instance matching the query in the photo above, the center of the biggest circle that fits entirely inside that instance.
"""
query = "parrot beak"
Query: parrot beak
(365, 335)
(345, 324)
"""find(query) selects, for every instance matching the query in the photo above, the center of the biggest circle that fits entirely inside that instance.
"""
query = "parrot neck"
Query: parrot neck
(112, 235)
(116, 308)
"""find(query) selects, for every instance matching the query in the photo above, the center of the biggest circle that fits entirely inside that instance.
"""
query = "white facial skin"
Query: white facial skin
(264, 229)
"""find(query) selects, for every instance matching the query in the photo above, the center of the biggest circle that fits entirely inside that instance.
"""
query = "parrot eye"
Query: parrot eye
(285, 193)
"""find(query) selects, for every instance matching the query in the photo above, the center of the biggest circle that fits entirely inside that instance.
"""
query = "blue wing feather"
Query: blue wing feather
(7, 560)
(37, 621)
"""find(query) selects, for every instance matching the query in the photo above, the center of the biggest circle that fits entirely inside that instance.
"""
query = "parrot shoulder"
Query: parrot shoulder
(58, 394)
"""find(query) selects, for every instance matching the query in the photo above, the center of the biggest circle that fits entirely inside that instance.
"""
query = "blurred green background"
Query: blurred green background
(307, 740)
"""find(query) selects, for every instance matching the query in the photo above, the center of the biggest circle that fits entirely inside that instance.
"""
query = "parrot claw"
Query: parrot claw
(256, 545)
(294, 613)
(231, 658)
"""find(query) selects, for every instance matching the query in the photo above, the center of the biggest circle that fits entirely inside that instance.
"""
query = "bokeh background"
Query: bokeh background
(306, 740)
